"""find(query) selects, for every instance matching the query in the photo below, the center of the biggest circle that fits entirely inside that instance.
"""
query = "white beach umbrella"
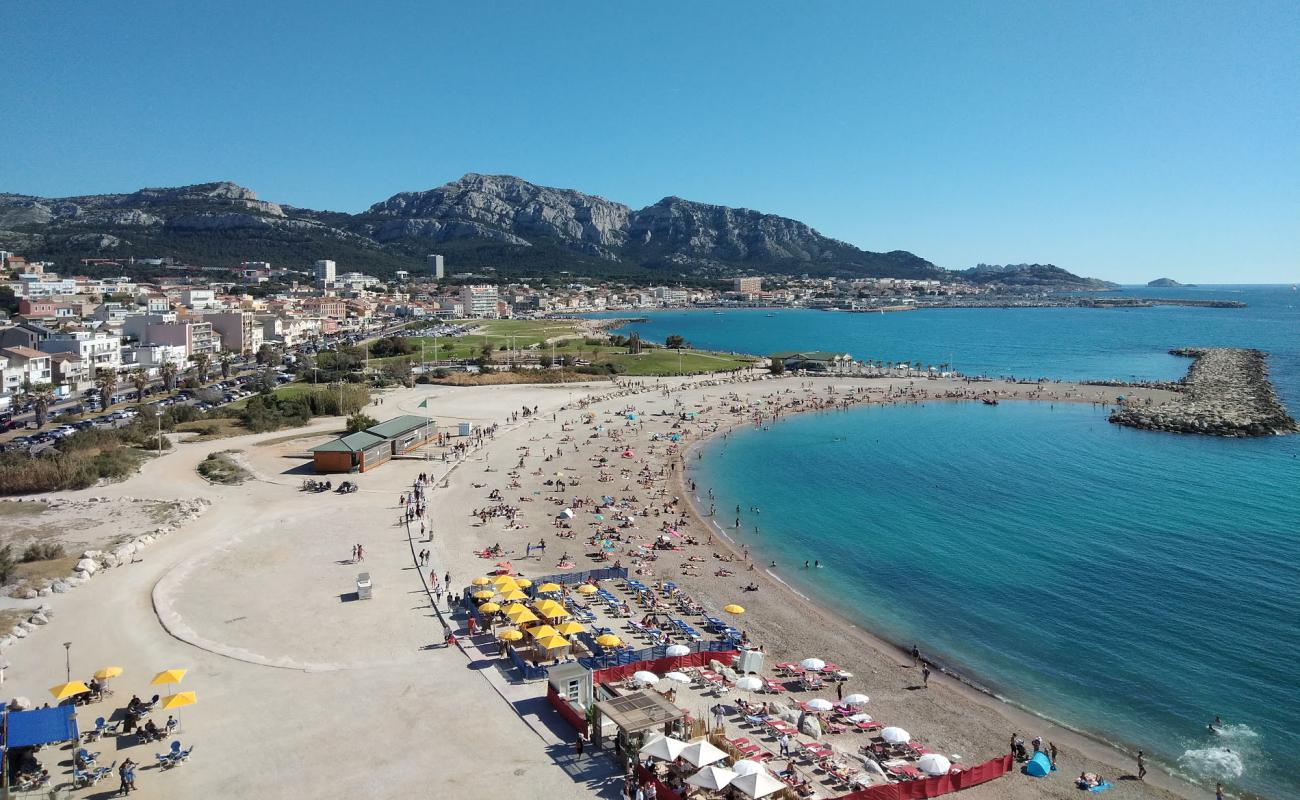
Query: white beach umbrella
(933, 764)
(758, 784)
(856, 700)
(860, 718)
(818, 704)
(643, 676)
(677, 650)
(746, 767)
(677, 677)
(697, 754)
(664, 748)
(749, 683)
(813, 664)
(895, 735)
(712, 778)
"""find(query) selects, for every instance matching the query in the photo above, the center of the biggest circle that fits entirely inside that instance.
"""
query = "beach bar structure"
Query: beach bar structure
(365, 450)
(816, 361)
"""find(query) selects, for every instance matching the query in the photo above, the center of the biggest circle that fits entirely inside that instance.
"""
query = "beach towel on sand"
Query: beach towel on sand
(1101, 787)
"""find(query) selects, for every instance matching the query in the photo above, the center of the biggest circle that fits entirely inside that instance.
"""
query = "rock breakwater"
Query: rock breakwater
(1226, 392)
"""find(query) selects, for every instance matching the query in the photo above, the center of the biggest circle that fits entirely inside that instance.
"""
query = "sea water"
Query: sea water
(1129, 583)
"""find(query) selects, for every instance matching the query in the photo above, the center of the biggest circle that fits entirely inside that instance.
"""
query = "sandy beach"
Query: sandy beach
(305, 691)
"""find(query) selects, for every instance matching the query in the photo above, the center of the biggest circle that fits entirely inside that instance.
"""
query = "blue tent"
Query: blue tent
(40, 726)
(1039, 766)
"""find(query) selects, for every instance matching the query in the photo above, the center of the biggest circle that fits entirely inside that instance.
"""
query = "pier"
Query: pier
(1226, 392)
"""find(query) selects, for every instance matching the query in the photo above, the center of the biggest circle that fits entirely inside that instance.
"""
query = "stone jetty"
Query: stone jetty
(1226, 392)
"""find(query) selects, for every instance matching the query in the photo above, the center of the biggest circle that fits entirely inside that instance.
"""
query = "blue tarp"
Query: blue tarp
(1039, 766)
(41, 726)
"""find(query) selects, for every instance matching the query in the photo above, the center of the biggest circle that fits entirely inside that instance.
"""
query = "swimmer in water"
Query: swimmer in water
(1214, 727)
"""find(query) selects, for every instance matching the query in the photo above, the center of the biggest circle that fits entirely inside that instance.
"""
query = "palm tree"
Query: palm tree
(225, 359)
(169, 370)
(41, 395)
(201, 363)
(140, 379)
(106, 380)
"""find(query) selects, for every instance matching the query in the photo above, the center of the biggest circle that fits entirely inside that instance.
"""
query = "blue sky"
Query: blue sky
(1126, 140)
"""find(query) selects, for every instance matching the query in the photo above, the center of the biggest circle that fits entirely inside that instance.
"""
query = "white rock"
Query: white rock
(86, 565)
(44, 592)
(19, 632)
(38, 619)
(27, 594)
(60, 587)
(26, 625)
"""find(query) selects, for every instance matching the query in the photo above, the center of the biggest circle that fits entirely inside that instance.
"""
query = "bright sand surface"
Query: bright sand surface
(305, 692)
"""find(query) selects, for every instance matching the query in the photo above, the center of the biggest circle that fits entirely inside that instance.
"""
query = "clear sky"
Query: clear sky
(1125, 140)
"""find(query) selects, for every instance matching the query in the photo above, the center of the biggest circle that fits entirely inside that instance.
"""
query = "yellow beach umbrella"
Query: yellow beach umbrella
(179, 699)
(168, 676)
(520, 617)
(608, 640)
(543, 632)
(108, 673)
(552, 642)
(514, 594)
(486, 594)
(549, 587)
(502, 580)
(489, 608)
(65, 690)
(586, 588)
(733, 609)
(481, 580)
(523, 583)
(511, 635)
(570, 628)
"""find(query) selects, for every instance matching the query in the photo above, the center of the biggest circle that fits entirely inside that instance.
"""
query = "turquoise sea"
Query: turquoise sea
(1128, 583)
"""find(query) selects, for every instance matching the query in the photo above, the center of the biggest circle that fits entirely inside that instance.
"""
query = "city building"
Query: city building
(437, 268)
(747, 285)
(325, 270)
(25, 367)
(365, 450)
(98, 351)
(479, 300)
(240, 332)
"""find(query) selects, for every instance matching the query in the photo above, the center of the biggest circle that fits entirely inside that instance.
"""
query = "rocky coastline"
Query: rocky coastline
(1226, 392)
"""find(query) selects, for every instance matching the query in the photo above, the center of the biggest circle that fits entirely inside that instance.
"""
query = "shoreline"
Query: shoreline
(966, 684)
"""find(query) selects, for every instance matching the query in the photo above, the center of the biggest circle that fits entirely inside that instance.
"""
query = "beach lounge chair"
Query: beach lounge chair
(85, 758)
(165, 761)
(97, 731)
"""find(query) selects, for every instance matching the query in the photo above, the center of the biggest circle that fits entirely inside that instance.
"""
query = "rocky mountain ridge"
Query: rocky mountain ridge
(511, 225)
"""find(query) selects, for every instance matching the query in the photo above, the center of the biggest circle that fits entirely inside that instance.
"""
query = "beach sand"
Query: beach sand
(304, 691)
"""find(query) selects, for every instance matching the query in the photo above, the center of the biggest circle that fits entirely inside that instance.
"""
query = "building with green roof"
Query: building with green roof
(365, 450)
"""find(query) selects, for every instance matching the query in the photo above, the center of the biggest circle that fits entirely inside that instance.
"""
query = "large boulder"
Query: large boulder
(86, 565)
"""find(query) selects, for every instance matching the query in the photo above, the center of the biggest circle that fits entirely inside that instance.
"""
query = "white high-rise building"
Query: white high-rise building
(325, 273)
(479, 301)
(435, 265)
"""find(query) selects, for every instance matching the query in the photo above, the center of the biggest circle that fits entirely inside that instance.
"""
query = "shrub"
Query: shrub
(41, 551)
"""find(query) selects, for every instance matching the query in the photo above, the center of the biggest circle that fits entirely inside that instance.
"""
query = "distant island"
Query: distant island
(1168, 283)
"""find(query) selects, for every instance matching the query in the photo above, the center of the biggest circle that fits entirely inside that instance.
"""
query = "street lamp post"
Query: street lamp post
(67, 653)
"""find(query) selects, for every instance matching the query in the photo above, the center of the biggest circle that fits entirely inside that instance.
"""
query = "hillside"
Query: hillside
(516, 228)
(1032, 276)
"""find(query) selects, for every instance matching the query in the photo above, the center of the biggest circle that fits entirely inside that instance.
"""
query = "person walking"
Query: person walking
(916, 655)
(361, 553)
(126, 774)
(925, 676)
(1051, 749)
(839, 690)
(785, 745)
(1142, 765)
(577, 746)
(1218, 791)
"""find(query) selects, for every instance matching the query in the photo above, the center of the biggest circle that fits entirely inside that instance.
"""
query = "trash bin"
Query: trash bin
(363, 586)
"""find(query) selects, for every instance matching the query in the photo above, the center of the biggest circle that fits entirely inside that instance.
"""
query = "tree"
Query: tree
(675, 342)
(225, 359)
(7, 563)
(41, 395)
(201, 363)
(169, 370)
(106, 380)
(777, 366)
(140, 379)
(634, 343)
(360, 421)
(263, 355)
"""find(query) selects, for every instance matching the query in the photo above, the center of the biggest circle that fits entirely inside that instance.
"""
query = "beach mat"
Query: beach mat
(1101, 787)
